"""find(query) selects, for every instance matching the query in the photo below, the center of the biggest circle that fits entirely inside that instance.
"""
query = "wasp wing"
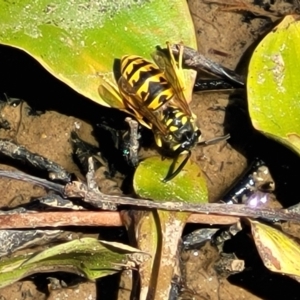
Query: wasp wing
(174, 74)
(109, 92)
(144, 115)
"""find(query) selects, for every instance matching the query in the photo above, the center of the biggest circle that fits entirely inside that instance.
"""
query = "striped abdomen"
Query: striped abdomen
(147, 80)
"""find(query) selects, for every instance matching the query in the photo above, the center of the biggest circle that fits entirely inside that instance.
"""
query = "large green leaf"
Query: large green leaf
(273, 84)
(79, 40)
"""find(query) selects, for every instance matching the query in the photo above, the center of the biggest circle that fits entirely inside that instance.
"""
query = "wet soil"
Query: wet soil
(226, 37)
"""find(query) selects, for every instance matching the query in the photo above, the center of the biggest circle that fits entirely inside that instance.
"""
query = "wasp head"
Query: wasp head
(189, 139)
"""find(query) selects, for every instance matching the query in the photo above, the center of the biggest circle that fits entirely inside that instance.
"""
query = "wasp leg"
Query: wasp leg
(172, 174)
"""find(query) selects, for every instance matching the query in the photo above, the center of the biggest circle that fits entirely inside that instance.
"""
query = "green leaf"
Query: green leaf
(273, 84)
(77, 40)
(188, 186)
(278, 252)
(86, 257)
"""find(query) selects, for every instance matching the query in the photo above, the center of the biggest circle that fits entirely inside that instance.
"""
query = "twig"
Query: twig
(98, 199)
(48, 185)
(56, 219)
(195, 60)
(19, 152)
(133, 141)
(39, 219)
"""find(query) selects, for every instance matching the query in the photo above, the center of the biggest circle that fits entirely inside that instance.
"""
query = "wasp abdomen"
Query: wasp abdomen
(147, 80)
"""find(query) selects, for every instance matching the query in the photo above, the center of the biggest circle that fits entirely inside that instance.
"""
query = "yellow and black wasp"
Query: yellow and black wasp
(155, 95)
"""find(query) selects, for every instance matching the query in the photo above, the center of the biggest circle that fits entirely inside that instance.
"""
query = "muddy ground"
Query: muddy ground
(227, 37)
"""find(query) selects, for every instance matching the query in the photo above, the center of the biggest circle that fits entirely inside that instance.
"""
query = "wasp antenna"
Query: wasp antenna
(180, 57)
(172, 174)
(215, 140)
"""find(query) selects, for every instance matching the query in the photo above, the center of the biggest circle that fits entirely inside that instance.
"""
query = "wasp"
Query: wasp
(155, 94)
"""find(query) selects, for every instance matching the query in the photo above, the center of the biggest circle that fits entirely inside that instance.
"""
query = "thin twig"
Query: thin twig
(15, 151)
(199, 62)
(98, 199)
